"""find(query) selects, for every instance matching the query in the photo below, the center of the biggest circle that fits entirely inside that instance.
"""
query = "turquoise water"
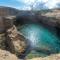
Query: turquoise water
(40, 37)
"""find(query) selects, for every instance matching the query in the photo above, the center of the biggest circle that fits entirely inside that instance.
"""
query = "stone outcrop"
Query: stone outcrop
(2, 41)
(8, 11)
(6, 22)
(11, 39)
(16, 42)
(51, 57)
(5, 55)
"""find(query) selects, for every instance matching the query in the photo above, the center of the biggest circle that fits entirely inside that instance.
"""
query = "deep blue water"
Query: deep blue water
(40, 37)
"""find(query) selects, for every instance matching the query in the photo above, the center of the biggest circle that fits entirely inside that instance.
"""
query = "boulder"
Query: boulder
(5, 55)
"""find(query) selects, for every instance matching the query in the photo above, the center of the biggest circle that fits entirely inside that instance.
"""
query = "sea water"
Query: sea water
(41, 37)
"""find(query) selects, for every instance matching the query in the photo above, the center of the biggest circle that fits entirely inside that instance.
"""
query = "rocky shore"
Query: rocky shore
(5, 55)
(51, 57)
(11, 40)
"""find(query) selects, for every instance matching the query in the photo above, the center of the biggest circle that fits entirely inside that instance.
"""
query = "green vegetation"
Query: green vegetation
(34, 54)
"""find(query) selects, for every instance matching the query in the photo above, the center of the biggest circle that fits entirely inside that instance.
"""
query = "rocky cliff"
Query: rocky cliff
(12, 40)
(17, 43)
(51, 57)
(8, 11)
(5, 55)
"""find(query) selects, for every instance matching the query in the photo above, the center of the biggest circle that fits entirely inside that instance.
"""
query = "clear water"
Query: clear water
(40, 37)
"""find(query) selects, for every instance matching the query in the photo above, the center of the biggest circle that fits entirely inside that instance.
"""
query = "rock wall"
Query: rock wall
(12, 40)
(5, 55)
(2, 41)
(51, 57)
(17, 43)
(8, 11)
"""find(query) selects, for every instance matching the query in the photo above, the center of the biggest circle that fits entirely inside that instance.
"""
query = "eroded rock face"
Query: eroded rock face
(17, 43)
(5, 55)
(8, 11)
(11, 40)
(2, 25)
(2, 41)
(51, 57)
(5, 23)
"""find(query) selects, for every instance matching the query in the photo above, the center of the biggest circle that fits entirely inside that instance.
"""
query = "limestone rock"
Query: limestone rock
(51, 57)
(2, 41)
(17, 43)
(5, 23)
(2, 26)
(10, 38)
(5, 55)
(8, 22)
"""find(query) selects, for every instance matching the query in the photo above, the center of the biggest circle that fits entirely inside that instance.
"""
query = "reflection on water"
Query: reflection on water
(40, 37)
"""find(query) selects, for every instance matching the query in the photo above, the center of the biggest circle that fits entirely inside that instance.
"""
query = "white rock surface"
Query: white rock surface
(5, 55)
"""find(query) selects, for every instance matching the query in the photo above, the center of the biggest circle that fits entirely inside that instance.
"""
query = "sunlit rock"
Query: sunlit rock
(11, 39)
(17, 43)
(5, 55)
